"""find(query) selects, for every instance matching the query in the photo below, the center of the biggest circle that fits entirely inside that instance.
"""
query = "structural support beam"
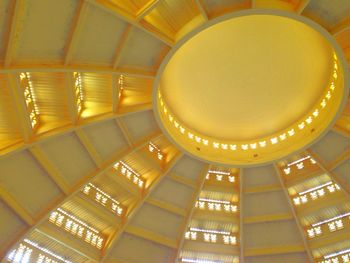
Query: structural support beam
(15, 28)
(202, 10)
(125, 131)
(114, 237)
(21, 107)
(42, 216)
(275, 250)
(75, 33)
(122, 43)
(75, 67)
(11, 202)
(72, 105)
(50, 169)
(296, 218)
(89, 147)
(302, 5)
(187, 220)
(167, 207)
(151, 236)
(146, 9)
(341, 28)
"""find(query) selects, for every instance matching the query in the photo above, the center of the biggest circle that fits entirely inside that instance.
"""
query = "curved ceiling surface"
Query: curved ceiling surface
(87, 175)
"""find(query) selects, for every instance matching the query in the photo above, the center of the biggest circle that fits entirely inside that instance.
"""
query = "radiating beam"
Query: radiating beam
(268, 218)
(190, 211)
(14, 32)
(182, 180)
(343, 157)
(274, 250)
(137, 73)
(125, 131)
(114, 237)
(91, 175)
(78, 24)
(121, 45)
(341, 28)
(21, 107)
(19, 210)
(295, 216)
(51, 170)
(201, 9)
(110, 8)
(262, 189)
(340, 130)
(146, 9)
(302, 5)
(151, 236)
(167, 206)
(89, 147)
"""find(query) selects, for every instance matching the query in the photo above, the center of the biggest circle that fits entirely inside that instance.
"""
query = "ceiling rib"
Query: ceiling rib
(341, 28)
(89, 147)
(190, 211)
(296, 218)
(132, 20)
(75, 32)
(121, 45)
(22, 112)
(146, 9)
(114, 237)
(54, 174)
(341, 131)
(76, 188)
(202, 9)
(16, 25)
(274, 250)
(241, 217)
(302, 5)
(76, 68)
(167, 206)
(125, 131)
(16, 207)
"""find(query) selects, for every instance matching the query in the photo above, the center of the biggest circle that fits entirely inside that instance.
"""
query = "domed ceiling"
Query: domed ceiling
(90, 171)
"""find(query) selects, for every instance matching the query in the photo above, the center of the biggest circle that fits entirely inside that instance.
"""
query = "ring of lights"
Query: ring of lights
(296, 137)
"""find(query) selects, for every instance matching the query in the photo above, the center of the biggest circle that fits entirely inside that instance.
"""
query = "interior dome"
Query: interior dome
(91, 170)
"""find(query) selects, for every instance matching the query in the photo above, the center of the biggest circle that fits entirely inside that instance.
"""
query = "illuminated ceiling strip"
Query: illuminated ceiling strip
(219, 172)
(298, 161)
(103, 193)
(45, 250)
(209, 231)
(315, 188)
(191, 260)
(214, 201)
(331, 219)
(337, 253)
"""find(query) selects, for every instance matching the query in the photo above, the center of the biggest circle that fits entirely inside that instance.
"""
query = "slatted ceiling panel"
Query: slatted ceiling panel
(57, 248)
(171, 16)
(167, 148)
(10, 224)
(6, 9)
(99, 37)
(339, 145)
(20, 175)
(208, 256)
(9, 125)
(74, 164)
(166, 188)
(136, 93)
(319, 252)
(309, 183)
(188, 167)
(288, 5)
(328, 13)
(46, 28)
(216, 8)
(107, 138)
(137, 250)
(214, 225)
(149, 217)
(142, 51)
(108, 184)
(97, 93)
(126, 6)
(285, 258)
(141, 124)
(80, 211)
(51, 98)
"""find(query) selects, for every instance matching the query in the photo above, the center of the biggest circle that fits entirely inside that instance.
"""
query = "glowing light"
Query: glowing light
(253, 145)
(233, 147)
(244, 147)
(301, 125)
(262, 143)
(291, 132)
(274, 140)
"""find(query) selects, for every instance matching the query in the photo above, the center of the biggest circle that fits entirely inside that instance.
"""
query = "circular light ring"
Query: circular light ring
(271, 148)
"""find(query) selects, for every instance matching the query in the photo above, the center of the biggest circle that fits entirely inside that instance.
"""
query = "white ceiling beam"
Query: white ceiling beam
(341, 28)
(110, 8)
(21, 108)
(121, 45)
(51, 170)
(114, 237)
(151, 236)
(19, 210)
(73, 38)
(146, 9)
(124, 129)
(295, 216)
(14, 31)
(91, 175)
(167, 206)
(191, 208)
(201, 9)
(95, 156)
(302, 5)
(137, 73)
